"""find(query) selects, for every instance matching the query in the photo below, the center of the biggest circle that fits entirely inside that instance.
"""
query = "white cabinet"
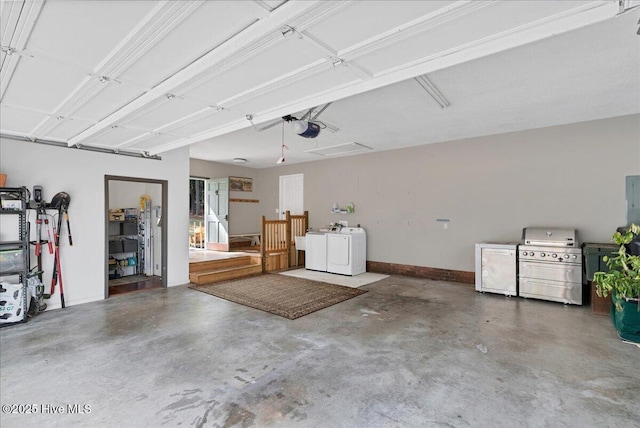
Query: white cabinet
(316, 251)
(496, 268)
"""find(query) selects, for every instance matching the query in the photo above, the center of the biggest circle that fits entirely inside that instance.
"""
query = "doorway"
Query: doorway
(217, 214)
(197, 224)
(135, 247)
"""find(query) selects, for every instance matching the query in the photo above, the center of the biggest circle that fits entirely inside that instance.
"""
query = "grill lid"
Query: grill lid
(550, 237)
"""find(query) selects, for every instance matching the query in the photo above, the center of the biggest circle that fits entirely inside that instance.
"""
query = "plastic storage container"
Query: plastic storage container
(593, 257)
(11, 260)
(130, 245)
(129, 228)
(593, 262)
(115, 247)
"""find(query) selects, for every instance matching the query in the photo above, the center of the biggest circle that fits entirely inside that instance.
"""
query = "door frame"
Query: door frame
(163, 224)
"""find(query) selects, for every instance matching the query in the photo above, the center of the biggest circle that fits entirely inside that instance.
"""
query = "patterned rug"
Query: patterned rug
(286, 296)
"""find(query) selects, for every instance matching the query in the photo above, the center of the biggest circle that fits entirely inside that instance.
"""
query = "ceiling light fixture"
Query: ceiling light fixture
(239, 160)
(432, 91)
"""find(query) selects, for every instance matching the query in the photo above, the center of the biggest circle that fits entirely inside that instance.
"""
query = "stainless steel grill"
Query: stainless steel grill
(550, 265)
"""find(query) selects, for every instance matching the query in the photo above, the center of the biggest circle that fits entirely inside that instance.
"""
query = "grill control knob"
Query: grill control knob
(575, 257)
(541, 254)
(525, 253)
(554, 255)
(531, 253)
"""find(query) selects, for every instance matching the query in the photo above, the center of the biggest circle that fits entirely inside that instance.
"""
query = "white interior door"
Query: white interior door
(217, 215)
(291, 194)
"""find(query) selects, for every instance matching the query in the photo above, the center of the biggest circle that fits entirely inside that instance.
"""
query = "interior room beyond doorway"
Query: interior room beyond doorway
(196, 213)
(134, 233)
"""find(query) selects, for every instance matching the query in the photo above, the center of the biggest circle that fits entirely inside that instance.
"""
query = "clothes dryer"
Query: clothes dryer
(347, 251)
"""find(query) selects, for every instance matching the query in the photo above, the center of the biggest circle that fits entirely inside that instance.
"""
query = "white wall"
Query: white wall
(244, 217)
(81, 174)
(489, 187)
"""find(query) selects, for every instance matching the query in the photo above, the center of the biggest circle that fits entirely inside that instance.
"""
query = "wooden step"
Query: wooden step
(224, 274)
(210, 265)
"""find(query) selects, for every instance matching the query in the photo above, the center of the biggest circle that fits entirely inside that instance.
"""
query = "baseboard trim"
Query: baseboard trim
(437, 274)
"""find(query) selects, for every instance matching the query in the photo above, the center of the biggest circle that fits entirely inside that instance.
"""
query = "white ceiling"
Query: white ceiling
(151, 76)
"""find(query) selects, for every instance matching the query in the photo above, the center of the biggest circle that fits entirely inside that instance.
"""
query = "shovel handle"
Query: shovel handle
(66, 214)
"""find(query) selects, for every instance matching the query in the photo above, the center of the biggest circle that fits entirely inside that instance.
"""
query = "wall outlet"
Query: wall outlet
(277, 210)
(157, 267)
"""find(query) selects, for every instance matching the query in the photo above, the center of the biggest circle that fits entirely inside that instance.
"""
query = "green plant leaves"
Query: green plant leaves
(623, 278)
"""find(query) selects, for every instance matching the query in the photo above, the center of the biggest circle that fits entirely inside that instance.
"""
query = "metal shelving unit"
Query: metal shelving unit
(117, 233)
(15, 256)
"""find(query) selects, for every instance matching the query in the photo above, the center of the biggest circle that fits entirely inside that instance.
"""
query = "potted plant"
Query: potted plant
(623, 283)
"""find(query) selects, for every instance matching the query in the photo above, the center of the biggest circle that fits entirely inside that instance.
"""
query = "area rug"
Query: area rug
(332, 278)
(286, 296)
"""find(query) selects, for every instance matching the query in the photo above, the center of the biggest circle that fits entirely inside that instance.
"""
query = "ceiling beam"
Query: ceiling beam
(22, 17)
(583, 15)
(259, 30)
(155, 26)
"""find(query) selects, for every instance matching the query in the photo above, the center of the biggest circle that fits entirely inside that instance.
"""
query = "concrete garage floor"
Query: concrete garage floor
(409, 353)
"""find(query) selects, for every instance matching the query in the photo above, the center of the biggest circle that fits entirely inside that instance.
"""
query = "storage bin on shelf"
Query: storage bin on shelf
(129, 245)
(116, 215)
(11, 260)
(115, 246)
(128, 228)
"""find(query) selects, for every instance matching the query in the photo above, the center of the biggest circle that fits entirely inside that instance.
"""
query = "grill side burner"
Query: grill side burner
(550, 265)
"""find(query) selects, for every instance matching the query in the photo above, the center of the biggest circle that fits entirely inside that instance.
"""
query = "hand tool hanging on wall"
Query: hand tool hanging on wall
(41, 218)
(66, 215)
(42, 212)
(60, 201)
(37, 197)
(47, 226)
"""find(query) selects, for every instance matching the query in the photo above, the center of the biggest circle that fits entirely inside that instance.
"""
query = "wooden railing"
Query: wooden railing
(277, 248)
(299, 226)
(276, 240)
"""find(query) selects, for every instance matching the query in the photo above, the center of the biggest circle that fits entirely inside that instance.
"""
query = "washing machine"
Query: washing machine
(347, 251)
